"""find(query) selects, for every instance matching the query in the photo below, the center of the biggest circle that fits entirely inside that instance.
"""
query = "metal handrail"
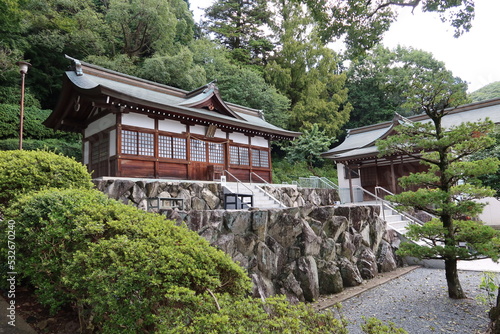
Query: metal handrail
(390, 206)
(377, 188)
(238, 182)
(329, 183)
(265, 192)
(323, 180)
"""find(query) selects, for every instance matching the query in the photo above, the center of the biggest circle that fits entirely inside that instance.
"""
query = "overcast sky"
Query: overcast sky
(474, 56)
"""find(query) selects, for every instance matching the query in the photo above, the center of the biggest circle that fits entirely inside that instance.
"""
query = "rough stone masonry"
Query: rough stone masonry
(302, 252)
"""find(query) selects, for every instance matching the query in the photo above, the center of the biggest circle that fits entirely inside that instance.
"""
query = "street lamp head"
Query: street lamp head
(23, 66)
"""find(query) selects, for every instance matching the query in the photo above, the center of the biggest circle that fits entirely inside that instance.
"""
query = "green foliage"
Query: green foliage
(378, 82)
(24, 172)
(33, 127)
(240, 84)
(176, 70)
(240, 26)
(248, 315)
(480, 240)
(375, 326)
(59, 146)
(306, 71)
(491, 91)
(491, 180)
(286, 172)
(120, 266)
(489, 287)
(449, 187)
(363, 22)
(308, 147)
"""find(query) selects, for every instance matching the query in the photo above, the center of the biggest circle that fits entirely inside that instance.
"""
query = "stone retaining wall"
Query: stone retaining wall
(308, 250)
(300, 252)
(203, 196)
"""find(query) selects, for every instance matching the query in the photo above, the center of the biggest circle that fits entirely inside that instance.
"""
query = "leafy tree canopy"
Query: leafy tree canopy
(449, 187)
(240, 25)
(491, 91)
(362, 22)
(379, 80)
(308, 73)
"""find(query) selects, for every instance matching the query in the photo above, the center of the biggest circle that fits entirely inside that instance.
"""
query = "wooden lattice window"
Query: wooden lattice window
(244, 156)
(215, 153)
(260, 158)
(146, 144)
(99, 149)
(137, 143)
(198, 150)
(172, 147)
(239, 155)
(234, 155)
(129, 142)
(179, 148)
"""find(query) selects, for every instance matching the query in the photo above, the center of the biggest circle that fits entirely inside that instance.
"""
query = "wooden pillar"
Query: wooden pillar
(156, 149)
(351, 191)
(393, 177)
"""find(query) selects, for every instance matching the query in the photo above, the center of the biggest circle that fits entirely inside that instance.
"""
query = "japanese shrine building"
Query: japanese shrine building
(137, 128)
(359, 165)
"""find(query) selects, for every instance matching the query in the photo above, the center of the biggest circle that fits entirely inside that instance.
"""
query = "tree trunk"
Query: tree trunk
(454, 288)
(494, 327)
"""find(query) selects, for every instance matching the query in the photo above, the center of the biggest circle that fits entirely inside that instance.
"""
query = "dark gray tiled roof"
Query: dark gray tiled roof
(361, 141)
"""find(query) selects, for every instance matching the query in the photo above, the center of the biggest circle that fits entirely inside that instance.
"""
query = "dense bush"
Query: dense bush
(29, 171)
(118, 264)
(228, 315)
(33, 127)
(286, 172)
(62, 146)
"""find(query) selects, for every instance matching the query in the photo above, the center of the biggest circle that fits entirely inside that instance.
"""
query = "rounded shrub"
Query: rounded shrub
(120, 266)
(28, 171)
(226, 314)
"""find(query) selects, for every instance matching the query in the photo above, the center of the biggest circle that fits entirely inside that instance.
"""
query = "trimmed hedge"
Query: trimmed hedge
(29, 171)
(117, 264)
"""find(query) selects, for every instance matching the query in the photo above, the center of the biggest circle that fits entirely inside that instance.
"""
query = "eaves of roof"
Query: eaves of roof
(148, 96)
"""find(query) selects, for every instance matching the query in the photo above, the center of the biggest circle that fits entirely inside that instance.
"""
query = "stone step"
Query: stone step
(260, 198)
(393, 218)
(398, 224)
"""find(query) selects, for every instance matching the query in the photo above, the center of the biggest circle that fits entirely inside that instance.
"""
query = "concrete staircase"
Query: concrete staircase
(261, 199)
(396, 221)
(399, 223)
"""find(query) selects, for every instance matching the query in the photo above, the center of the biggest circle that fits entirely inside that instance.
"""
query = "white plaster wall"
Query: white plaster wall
(238, 138)
(198, 129)
(171, 126)
(220, 134)
(86, 153)
(259, 141)
(138, 120)
(100, 124)
(343, 182)
(344, 189)
(491, 212)
(112, 143)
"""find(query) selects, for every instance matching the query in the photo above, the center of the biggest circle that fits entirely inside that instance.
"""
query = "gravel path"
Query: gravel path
(419, 303)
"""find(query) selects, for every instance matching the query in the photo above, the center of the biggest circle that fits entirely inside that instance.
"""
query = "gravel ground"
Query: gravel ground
(418, 302)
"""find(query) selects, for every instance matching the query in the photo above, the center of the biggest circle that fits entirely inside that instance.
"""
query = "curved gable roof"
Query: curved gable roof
(105, 87)
(360, 142)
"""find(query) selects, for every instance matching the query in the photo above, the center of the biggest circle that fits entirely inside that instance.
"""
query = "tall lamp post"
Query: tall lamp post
(23, 68)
